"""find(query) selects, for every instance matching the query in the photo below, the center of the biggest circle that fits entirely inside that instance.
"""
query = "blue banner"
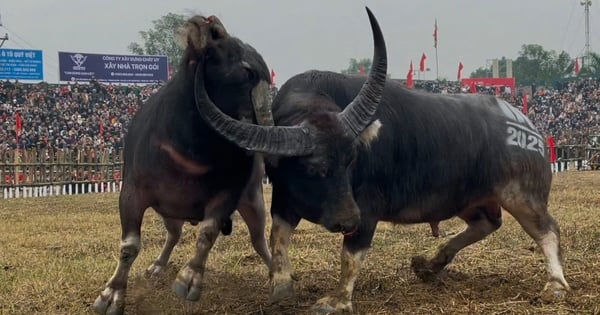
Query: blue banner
(21, 64)
(75, 66)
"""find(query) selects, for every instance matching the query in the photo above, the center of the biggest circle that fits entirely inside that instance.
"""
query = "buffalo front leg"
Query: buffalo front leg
(252, 210)
(112, 299)
(254, 216)
(435, 228)
(354, 252)
(281, 270)
(173, 227)
(188, 284)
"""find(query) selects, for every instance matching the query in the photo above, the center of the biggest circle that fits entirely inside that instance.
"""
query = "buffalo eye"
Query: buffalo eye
(250, 75)
(318, 169)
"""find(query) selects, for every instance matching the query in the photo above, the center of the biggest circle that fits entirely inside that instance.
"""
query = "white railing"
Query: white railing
(36, 191)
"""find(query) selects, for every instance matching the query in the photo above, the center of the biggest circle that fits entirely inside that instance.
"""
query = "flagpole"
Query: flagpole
(437, 76)
(435, 40)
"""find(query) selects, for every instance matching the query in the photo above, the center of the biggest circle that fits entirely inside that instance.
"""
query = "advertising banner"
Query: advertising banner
(76, 66)
(21, 64)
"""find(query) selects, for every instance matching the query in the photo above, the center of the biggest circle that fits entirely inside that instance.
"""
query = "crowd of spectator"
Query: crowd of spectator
(67, 116)
(569, 112)
(84, 115)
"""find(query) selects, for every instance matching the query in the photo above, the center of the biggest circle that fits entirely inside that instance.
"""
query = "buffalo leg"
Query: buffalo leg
(280, 271)
(252, 210)
(354, 252)
(112, 299)
(173, 227)
(537, 222)
(481, 221)
(188, 284)
(435, 228)
(254, 217)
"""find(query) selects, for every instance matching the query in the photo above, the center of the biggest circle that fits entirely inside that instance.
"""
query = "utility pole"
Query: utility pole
(5, 38)
(586, 56)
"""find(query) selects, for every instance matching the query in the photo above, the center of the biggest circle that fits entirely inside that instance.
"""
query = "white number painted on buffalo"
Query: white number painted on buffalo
(521, 131)
(523, 139)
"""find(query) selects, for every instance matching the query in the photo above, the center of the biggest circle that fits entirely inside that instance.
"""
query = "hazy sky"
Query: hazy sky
(295, 36)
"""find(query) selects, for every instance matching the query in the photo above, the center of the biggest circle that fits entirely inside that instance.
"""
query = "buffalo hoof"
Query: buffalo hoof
(423, 269)
(188, 284)
(110, 302)
(553, 292)
(281, 291)
(155, 270)
(331, 305)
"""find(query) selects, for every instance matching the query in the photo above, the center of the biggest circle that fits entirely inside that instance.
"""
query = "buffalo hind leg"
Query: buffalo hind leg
(539, 224)
(481, 221)
(354, 252)
(188, 284)
(112, 299)
(173, 227)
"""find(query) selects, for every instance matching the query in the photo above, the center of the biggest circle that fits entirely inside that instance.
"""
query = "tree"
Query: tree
(354, 66)
(540, 66)
(593, 68)
(481, 72)
(160, 39)
(486, 72)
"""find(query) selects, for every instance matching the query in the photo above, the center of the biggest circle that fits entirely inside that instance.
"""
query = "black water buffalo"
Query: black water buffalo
(415, 158)
(175, 163)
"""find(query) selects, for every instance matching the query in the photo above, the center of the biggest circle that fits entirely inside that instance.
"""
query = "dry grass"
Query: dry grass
(56, 254)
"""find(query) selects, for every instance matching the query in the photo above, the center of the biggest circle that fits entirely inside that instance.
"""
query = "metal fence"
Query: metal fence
(576, 157)
(50, 172)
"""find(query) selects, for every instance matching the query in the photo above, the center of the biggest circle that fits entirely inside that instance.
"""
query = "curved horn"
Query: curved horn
(358, 114)
(279, 140)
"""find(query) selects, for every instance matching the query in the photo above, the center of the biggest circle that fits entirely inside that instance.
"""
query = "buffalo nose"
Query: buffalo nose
(348, 227)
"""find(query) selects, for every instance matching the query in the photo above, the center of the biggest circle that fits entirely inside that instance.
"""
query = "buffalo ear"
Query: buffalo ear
(181, 37)
(370, 133)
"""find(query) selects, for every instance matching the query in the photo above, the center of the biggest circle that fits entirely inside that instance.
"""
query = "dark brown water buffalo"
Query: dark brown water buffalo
(417, 157)
(178, 165)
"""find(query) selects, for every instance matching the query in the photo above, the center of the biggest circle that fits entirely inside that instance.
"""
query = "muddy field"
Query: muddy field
(56, 254)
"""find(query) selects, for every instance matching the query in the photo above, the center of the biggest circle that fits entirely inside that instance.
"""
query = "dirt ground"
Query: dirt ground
(56, 254)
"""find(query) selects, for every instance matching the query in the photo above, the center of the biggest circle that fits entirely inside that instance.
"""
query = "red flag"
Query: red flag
(422, 64)
(552, 149)
(18, 127)
(576, 69)
(18, 124)
(409, 76)
(460, 69)
(435, 34)
(101, 128)
(272, 77)
(361, 69)
(525, 105)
